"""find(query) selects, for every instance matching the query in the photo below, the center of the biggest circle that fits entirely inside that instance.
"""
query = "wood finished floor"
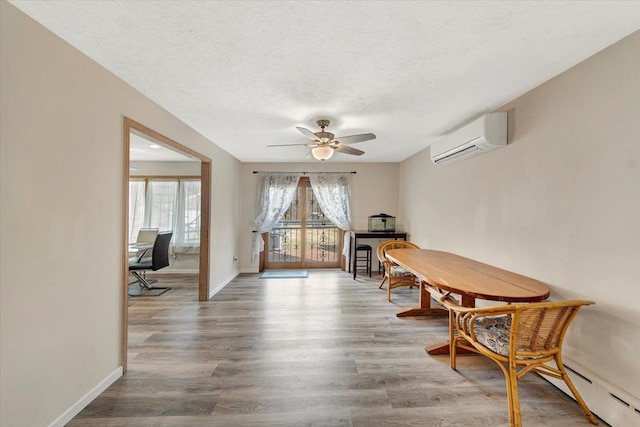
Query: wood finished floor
(321, 351)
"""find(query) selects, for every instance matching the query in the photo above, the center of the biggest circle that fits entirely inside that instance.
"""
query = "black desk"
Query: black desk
(355, 235)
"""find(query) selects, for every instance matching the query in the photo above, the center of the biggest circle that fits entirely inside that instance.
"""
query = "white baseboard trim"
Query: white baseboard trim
(218, 288)
(86, 399)
(249, 270)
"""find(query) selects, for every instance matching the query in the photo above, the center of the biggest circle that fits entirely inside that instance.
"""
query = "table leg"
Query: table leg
(444, 347)
(350, 252)
(353, 255)
(424, 308)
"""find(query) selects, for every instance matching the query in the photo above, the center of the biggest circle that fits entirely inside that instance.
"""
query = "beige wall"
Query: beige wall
(561, 203)
(374, 190)
(61, 218)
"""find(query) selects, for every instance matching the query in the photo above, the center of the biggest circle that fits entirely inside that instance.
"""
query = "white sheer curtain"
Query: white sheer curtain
(136, 207)
(333, 192)
(273, 198)
(162, 203)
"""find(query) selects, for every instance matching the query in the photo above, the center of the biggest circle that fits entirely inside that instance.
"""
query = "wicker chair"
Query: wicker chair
(396, 275)
(518, 336)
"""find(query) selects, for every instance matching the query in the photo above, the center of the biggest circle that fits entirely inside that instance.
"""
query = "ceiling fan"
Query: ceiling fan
(324, 143)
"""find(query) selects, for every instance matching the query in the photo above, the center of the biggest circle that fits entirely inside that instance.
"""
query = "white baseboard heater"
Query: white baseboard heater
(616, 407)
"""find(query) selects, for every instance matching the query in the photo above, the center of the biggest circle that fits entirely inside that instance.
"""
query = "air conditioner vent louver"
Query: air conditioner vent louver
(454, 154)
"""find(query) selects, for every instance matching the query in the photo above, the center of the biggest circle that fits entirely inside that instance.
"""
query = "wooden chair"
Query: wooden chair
(396, 275)
(520, 338)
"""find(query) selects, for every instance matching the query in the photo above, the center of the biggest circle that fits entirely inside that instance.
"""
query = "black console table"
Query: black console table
(359, 234)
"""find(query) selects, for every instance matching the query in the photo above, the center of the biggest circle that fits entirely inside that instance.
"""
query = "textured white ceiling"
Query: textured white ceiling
(244, 74)
(145, 149)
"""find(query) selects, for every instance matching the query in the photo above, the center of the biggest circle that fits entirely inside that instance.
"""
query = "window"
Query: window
(189, 215)
(166, 204)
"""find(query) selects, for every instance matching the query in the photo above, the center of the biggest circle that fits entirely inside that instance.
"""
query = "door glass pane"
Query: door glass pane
(322, 235)
(285, 237)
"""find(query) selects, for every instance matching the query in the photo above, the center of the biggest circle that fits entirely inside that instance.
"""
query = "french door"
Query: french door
(303, 237)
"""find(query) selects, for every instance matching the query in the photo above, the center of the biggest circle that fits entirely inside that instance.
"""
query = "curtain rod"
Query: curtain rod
(303, 173)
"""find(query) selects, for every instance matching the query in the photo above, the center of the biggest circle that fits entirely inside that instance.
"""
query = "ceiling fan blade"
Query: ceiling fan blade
(306, 132)
(348, 150)
(352, 139)
(289, 145)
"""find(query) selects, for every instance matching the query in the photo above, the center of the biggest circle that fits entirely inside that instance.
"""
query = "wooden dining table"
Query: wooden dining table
(443, 272)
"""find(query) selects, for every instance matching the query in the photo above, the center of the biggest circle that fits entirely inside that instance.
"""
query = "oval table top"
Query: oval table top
(468, 277)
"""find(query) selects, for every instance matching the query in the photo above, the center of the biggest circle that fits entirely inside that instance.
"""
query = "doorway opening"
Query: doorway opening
(304, 237)
(193, 227)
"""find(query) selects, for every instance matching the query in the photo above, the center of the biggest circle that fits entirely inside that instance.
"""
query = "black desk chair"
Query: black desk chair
(146, 238)
(159, 259)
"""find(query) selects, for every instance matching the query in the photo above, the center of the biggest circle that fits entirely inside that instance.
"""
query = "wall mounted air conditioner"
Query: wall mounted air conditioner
(480, 136)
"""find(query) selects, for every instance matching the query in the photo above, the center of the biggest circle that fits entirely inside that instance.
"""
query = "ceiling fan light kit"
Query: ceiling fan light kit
(324, 143)
(322, 152)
